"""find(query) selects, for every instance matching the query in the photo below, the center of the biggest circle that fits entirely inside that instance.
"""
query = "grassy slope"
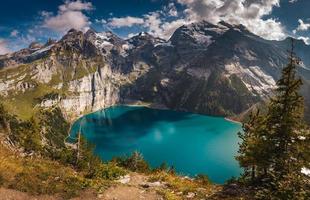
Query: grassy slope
(38, 176)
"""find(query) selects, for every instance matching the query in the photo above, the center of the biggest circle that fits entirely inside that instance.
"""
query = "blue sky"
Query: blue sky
(25, 21)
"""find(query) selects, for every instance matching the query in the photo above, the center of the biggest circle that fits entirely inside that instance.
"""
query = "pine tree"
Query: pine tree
(285, 117)
(274, 146)
(286, 131)
(252, 150)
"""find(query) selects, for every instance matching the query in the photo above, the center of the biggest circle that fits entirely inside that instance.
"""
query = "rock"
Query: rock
(190, 195)
(124, 179)
(155, 184)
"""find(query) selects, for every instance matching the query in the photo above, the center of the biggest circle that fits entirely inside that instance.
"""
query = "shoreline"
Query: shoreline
(128, 102)
(232, 120)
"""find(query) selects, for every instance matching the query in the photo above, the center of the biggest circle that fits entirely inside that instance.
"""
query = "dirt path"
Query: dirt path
(133, 187)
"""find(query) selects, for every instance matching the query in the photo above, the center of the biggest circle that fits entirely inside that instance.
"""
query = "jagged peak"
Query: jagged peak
(72, 30)
(90, 31)
(50, 41)
(226, 24)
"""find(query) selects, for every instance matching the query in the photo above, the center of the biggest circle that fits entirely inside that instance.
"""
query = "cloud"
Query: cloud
(14, 33)
(171, 10)
(125, 21)
(250, 13)
(4, 47)
(305, 39)
(292, 1)
(302, 26)
(153, 23)
(69, 15)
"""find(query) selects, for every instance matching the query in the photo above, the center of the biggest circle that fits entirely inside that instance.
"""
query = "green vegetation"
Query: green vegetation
(134, 162)
(275, 145)
(50, 167)
(179, 187)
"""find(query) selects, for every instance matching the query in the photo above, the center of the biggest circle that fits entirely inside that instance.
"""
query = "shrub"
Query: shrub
(203, 179)
(106, 171)
(135, 162)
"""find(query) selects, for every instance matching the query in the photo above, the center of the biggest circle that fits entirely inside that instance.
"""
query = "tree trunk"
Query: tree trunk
(253, 173)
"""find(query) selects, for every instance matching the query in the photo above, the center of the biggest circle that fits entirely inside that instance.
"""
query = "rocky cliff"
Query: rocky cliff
(218, 69)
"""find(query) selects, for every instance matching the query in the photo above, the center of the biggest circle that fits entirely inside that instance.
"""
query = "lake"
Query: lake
(192, 143)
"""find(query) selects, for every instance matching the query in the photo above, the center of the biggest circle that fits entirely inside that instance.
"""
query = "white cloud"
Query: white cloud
(172, 10)
(125, 21)
(4, 47)
(153, 23)
(250, 13)
(101, 21)
(292, 1)
(305, 39)
(302, 26)
(14, 33)
(159, 28)
(168, 28)
(69, 15)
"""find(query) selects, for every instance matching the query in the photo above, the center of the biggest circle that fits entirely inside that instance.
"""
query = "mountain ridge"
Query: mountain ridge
(212, 69)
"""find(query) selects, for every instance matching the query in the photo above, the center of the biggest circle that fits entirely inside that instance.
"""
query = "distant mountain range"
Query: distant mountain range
(220, 69)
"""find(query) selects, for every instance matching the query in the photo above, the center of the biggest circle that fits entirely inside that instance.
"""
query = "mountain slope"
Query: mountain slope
(218, 69)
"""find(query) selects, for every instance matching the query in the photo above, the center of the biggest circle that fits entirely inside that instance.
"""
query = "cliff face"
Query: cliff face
(90, 93)
(212, 69)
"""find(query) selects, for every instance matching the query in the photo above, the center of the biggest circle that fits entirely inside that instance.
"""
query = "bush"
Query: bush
(163, 167)
(135, 162)
(203, 179)
(106, 171)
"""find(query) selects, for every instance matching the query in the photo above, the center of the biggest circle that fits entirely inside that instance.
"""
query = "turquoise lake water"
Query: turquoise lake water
(192, 143)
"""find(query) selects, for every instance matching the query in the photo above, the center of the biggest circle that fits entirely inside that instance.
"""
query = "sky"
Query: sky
(26, 21)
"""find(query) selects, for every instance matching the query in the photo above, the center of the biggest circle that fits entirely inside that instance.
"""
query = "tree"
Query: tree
(287, 133)
(253, 148)
(275, 145)
(86, 160)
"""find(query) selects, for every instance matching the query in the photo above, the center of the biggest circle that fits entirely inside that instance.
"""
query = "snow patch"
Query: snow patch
(102, 40)
(42, 50)
(202, 39)
(253, 77)
(163, 44)
(218, 30)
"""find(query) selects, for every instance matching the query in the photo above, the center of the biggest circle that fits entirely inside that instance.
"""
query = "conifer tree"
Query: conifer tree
(275, 146)
(286, 131)
(252, 150)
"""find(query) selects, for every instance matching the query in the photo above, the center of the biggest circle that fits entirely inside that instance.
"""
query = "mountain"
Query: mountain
(218, 69)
